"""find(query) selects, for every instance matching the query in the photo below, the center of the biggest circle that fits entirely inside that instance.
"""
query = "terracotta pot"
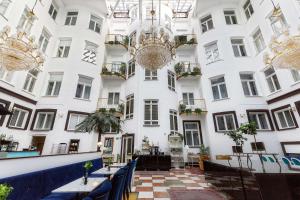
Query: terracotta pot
(202, 158)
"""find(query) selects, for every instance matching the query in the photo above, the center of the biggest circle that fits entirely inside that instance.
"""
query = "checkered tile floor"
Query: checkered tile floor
(158, 185)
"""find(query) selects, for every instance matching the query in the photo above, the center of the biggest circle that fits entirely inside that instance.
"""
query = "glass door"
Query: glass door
(127, 147)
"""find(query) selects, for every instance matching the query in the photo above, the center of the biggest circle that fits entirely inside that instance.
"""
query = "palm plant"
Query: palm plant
(98, 122)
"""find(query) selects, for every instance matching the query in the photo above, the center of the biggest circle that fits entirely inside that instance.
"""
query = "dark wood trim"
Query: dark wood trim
(18, 96)
(284, 96)
(224, 113)
(35, 116)
(263, 111)
(7, 104)
(275, 120)
(68, 118)
(287, 143)
(199, 127)
(297, 104)
(27, 120)
(125, 135)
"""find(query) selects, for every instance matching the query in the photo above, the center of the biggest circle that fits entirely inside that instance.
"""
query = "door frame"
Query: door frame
(39, 136)
(199, 128)
(123, 136)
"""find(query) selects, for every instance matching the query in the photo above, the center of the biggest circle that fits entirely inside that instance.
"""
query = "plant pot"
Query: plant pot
(202, 158)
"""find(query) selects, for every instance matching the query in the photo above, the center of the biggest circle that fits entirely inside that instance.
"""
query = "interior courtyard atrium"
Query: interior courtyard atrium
(149, 99)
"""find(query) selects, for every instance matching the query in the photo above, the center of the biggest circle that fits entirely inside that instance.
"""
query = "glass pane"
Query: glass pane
(245, 88)
(147, 112)
(263, 121)
(223, 91)
(270, 84)
(50, 88)
(282, 120)
(49, 120)
(154, 112)
(253, 88)
(252, 118)
(116, 100)
(14, 118)
(110, 98)
(21, 119)
(289, 118)
(221, 123)
(276, 82)
(196, 138)
(40, 122)
(87, 92)
(79, 91)
(216, 92)
(72, 122)
(188, 138)
(229, 122)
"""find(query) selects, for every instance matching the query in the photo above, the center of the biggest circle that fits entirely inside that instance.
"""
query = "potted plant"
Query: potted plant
(182, 108)
(104, 70)
(126, 40)
(250, 129)
(87, 166)
(188, 111)
(123, 68)
(204, 155)
(5, 190)
(198, 111)
(178, 68)
(112, 110)
(121, 108)
(196, 71)
(109, 163)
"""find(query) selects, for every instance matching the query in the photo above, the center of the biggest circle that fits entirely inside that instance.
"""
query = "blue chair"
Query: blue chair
(127, 189)
(61, 196)
(101, 192)
(118, 182)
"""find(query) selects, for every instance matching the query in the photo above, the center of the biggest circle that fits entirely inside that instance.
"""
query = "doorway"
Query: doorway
(38, 142)
(127, 147)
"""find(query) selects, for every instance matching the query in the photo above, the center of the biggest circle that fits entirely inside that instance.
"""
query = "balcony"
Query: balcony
(187, 70)
(185, 41)
(194, 107)
(113, 107)
(114, 71)
(116, 41)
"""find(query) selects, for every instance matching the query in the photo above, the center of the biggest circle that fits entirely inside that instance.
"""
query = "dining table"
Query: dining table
(106, 172)
(118, 165)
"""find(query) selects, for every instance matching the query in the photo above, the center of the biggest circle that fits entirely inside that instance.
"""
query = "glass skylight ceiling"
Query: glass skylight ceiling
(178, 6)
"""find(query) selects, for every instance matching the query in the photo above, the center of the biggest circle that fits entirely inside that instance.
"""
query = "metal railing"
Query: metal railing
(116, 39)
(118, 69)
(193, 105)
(189, 39)
(106, 103)
(186, 68)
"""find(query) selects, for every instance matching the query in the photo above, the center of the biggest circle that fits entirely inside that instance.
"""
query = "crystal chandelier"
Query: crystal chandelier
(285, 52)
(154, 49)
(18, 52)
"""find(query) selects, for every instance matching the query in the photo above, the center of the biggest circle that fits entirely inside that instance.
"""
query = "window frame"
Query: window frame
(199, 132)
(219, 88)
(131, 68)
(151, 104)
(230, 17)
(129, 107)
(44, 39)
(29, 112)
(4, 6)
(32, 79)
(97, 23)
(277, 121)
(84, 87)
(268, 118)
(248, 82)
(114, 94)
(153, 75)
(233, 113)
(173, 117)
(53, 10)
(239, 46)
(248, 9)
(6, 105)
(212, 51)
(171, 81)
(70, 17)
(295, 74)
(259, 41)
(204, 21)
(35, 119)
(55, 84)
(70, 112)
(271, 77)
(7, 76)
(63, 51)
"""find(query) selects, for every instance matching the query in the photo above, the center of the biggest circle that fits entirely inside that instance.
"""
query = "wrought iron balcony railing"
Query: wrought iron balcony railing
(117, 39)
(192, 106)
(111, 105)
(188, 39)
(185, 69)
(114, 69)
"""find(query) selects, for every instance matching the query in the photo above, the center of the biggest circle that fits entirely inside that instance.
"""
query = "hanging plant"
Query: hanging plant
(198, 111)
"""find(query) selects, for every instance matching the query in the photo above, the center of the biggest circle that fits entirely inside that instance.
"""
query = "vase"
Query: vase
(85, 177)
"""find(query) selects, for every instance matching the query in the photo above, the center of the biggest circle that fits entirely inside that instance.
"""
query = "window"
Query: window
(261, 118)
(278, 24)
(53, 10)
(111, 129)
(44, 40)
(71, 18)
(171, 80)
(206, 23)
(238, 46)
(113, 98)
(5, 75)
(4, 6)
(151, 112)
(284, 118)
(129, 106)
(26, 21)
(225, 121)
(230, 17)
(173, 121)
(74, 119)
(108, 144)
(150, 75)
(248, 84)
(248, 9)
(44, 120)
(64, 47)
(192, 134)
(131, 68)
(54, 84)
(296, 75)
(212, 52)
(90, 52)
(272, 79)
(95, 24)
(19, 118)
(188, 98)
(84, 87)
(259, 41)
(219, 88)
(30, 80)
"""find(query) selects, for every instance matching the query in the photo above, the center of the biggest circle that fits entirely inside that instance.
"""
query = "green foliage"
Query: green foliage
(104, 70)
(192, 41)
(112, 110)
(126, 40)
(249, 128)
(188, 111)
(88, 165)
(185, 74)
(123, 68)
(182, 108)
(5, 190)
(196, 70)
(98, 121)
(198, 111)
(204, 150)
(121, 108)
(237, 137)
(178, 68)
